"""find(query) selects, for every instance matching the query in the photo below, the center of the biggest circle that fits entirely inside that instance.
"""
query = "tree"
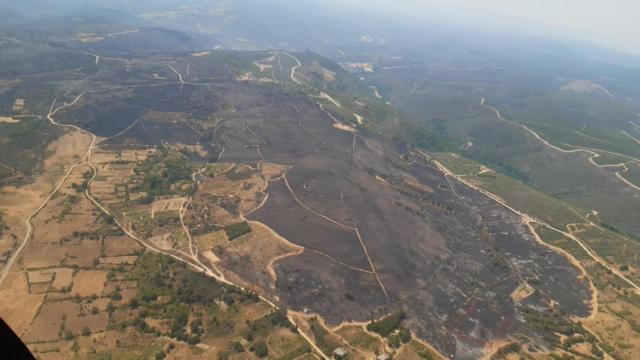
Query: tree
(133, 303)
(237, 346)
(111, 308)
(624, 267)
(196, 326)
(86, 331)
(260, 349)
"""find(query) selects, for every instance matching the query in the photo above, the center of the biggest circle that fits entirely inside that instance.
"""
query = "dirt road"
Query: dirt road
(28, 220)
(293, 69)
(530, 219)
(592, 152)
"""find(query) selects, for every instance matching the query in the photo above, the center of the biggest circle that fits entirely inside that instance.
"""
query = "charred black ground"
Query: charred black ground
(383, 228)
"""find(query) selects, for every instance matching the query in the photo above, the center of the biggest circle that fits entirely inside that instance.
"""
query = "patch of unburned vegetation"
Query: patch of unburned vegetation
(357, 337)
(388, 324)
(197, 310)
(234, 231)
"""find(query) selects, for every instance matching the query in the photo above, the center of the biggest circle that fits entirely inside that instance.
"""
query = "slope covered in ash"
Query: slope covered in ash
(382, 227)
(445, 254)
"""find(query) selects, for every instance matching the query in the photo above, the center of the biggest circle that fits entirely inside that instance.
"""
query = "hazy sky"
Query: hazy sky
(612, 23)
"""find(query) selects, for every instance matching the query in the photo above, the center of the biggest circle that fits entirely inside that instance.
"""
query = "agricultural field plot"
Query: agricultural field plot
(18, 201)
(143, 199)
(121, 246)
(167, 205)
(250, 258)
(98, 302)
(59, 279)
(118, 260)
(114, 172)
(365, 342)
(47, 268)
(208, 241)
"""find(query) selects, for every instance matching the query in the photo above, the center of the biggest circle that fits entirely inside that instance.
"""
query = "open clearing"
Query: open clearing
(585, 86)
(8, 120)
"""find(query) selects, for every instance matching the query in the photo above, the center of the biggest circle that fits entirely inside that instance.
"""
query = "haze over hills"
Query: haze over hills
(283, 180)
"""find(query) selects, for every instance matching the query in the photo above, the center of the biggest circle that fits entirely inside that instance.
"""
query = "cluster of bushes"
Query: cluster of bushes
(511, 348)
(183, 288)
(402, 336)
(259, 348)
(3, 225)
(549, 324)
(160, 171)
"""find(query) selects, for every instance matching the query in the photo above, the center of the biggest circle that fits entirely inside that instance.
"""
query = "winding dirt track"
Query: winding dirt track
(293, 69)
(28, 220)
(354, 227)
(592, 152)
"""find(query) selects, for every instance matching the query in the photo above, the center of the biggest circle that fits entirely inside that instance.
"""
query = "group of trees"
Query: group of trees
(182, 290)
(159, 172)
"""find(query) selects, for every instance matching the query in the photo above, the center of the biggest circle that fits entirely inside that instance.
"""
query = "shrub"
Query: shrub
(260, 349)
(86, 331)
(236, 346)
